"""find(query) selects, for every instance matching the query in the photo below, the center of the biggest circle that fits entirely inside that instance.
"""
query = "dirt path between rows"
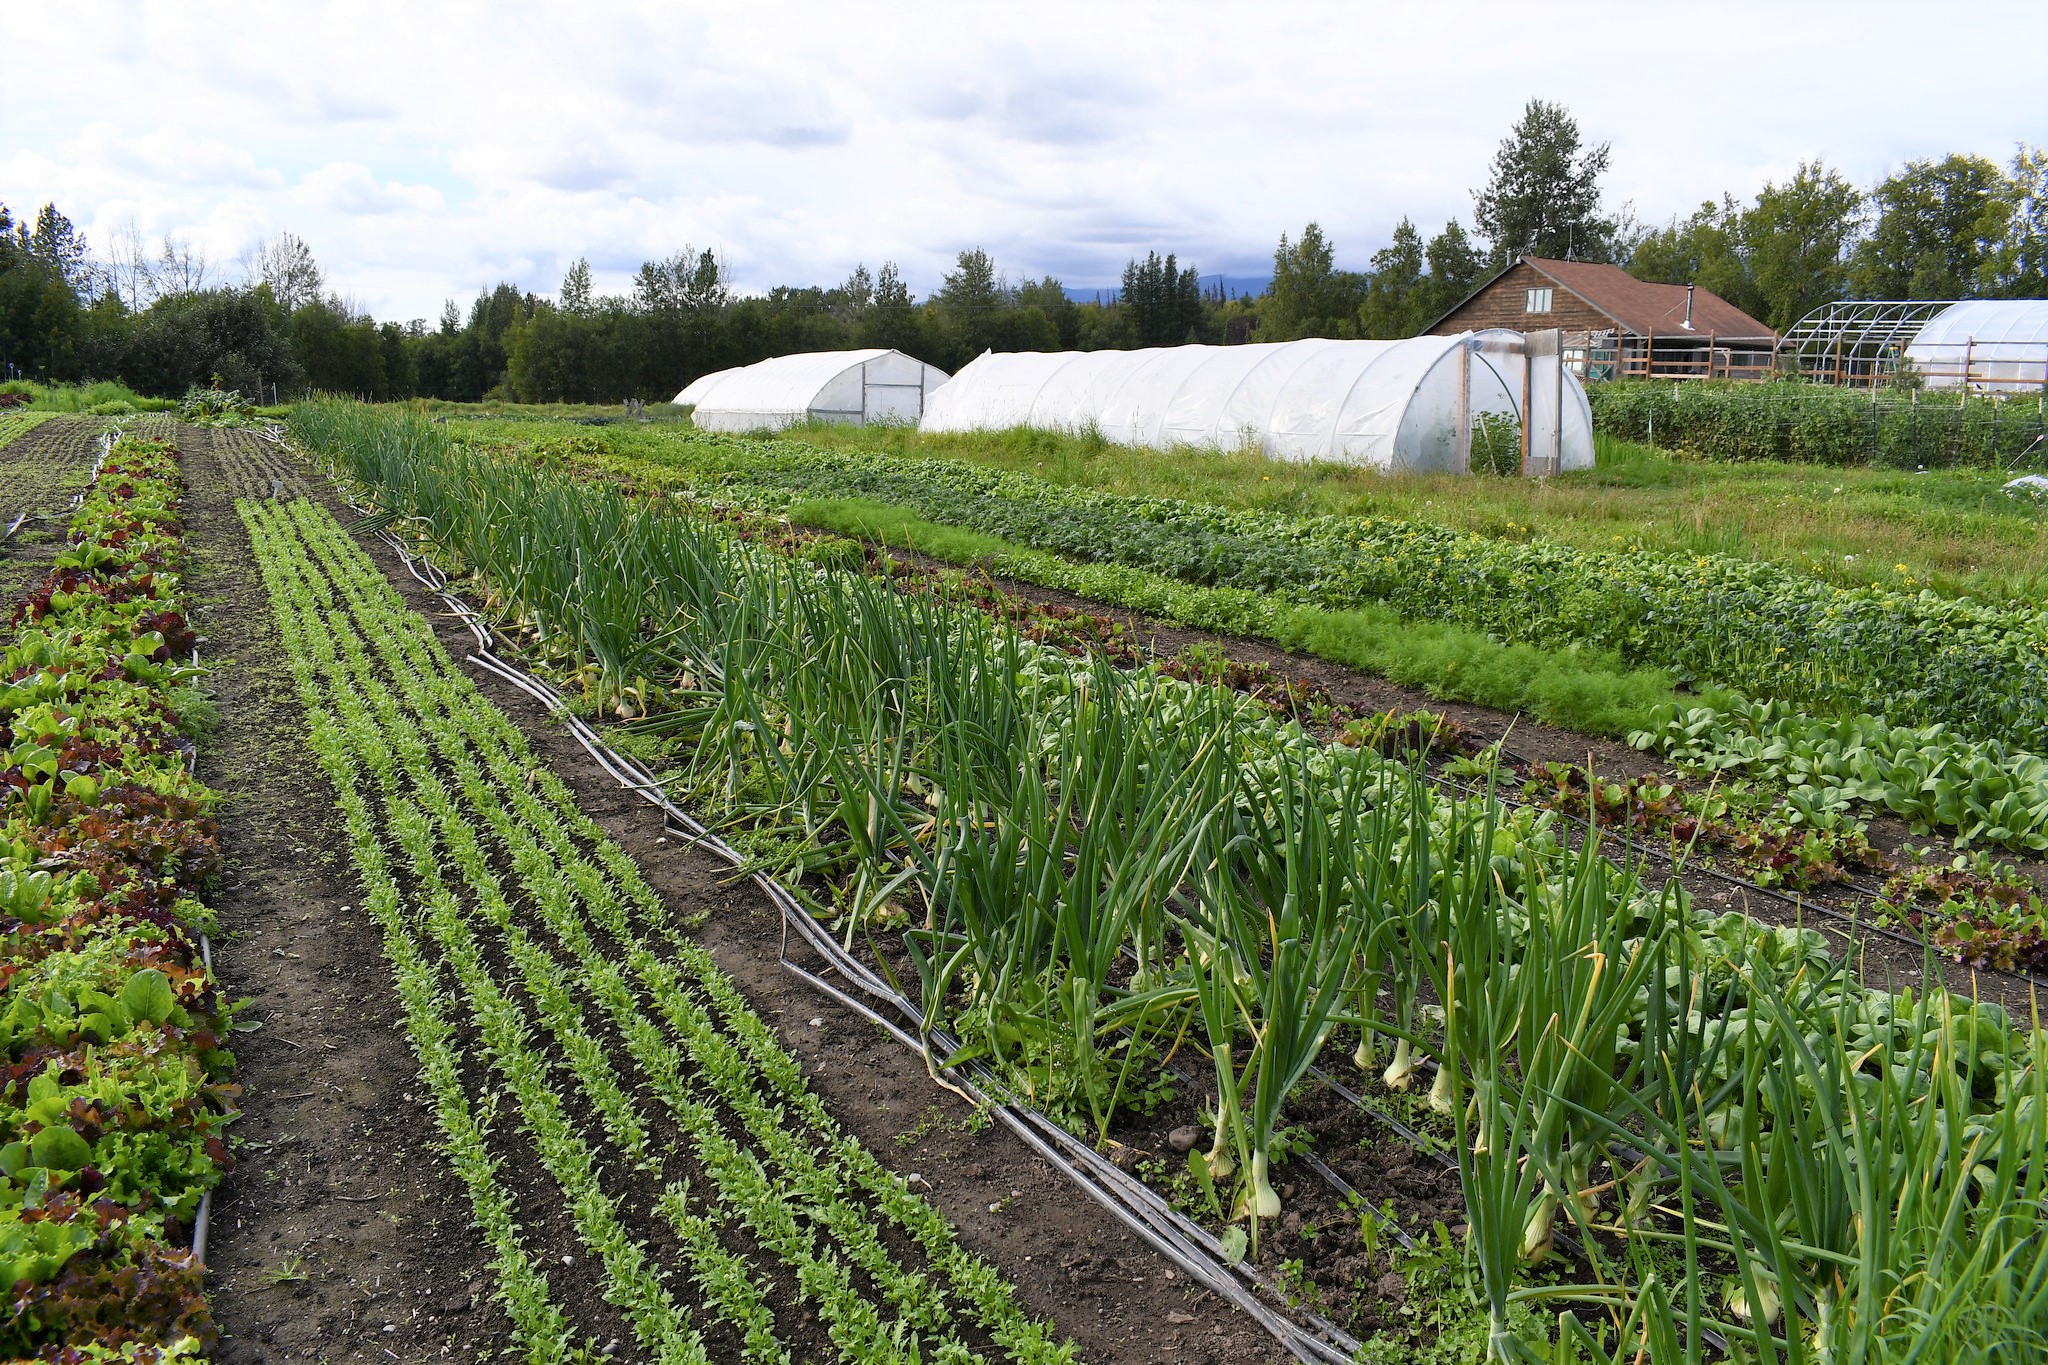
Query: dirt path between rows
(341, 1236)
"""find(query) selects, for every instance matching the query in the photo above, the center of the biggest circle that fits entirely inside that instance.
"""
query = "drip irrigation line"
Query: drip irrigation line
(1132, 1202)
(1319, 1342)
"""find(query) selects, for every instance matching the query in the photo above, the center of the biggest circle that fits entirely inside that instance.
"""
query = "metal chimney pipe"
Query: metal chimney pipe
(1688, 307)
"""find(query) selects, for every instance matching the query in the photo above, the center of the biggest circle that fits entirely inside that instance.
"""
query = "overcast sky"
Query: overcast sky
(429, 149)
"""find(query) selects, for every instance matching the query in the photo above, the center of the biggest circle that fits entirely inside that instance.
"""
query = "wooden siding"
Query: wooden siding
(1503, 304)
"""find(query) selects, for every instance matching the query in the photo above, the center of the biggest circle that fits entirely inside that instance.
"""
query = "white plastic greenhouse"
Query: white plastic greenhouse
(1996, 344)
(1396, 405)
(859, 387)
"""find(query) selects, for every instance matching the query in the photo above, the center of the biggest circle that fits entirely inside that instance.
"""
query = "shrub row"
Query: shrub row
(1817, 424)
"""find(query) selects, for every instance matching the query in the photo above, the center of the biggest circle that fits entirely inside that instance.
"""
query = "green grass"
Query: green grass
(1577, 689)
(491, 410)
(1951, 530)
(91, 397)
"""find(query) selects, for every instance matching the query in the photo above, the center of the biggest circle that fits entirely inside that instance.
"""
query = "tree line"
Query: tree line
(163, 319)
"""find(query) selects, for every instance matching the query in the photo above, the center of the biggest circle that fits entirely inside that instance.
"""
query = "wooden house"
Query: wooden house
(1616, 325)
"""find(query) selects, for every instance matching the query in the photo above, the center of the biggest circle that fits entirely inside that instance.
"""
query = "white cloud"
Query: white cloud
(429, 151)
(349, 189)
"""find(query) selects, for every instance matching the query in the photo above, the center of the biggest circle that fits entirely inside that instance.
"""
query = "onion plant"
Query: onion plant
(1090, 858)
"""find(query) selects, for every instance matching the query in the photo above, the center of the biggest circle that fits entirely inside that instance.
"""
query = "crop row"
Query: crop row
(1705, 619)
(44, 464)
(115, 1092)
(1820, 424)
(1086, 864)
(440, 792)
(1934, 775)
(15, 424)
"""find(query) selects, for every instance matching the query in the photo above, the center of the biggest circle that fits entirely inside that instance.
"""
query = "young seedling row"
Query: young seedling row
(649, 1093)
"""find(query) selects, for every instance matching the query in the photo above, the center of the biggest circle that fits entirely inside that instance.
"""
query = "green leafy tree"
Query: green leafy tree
(2017, 267)
(682, 301)
(1939, 223)
(337, 350)
(285, 266)
(62, 248)
(1455, 268)
(1049, 297)
(1162, 304)
(1798, 236)
(1309, 296)
(1543, 195)
(576, 288)
(1396, 296)
(971, 309)
(895, 321)
(42, 322)
(193, 337)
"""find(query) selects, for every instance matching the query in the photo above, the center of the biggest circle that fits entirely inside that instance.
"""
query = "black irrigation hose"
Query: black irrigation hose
(1183, 1242)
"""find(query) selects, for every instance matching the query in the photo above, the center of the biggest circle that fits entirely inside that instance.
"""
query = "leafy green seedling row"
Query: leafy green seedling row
(632, 1283)
(748, 1196)
(411, 657)
(437, 698)
(557, 877)
(539, 1325)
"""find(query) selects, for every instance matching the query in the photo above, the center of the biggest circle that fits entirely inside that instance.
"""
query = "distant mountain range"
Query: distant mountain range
(1232, 285)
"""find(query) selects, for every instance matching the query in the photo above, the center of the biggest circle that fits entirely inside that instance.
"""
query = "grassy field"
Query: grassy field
(1952, 531)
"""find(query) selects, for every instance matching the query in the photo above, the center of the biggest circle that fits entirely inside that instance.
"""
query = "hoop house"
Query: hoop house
(1989, 344)
(1395, 405)
(859, 387)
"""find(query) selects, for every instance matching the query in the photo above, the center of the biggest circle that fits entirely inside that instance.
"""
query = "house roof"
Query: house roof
(1638, 306)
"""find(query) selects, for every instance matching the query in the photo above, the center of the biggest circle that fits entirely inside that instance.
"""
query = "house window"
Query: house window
(1536, 301)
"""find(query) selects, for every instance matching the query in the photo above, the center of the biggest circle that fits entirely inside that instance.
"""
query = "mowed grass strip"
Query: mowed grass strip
(1951, 530)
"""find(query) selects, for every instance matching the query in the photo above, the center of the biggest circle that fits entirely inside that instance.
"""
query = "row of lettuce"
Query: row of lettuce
(1916, 705)
(116, 1090)
(1112, 864)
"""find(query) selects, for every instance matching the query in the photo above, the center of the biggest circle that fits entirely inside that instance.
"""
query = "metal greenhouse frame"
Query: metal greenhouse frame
(1856, 341)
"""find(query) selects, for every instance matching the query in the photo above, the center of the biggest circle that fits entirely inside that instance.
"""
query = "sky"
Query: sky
(428, 150)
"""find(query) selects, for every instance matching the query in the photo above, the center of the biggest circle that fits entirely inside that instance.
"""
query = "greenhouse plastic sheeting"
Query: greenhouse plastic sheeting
(1404, 405)
(859, 387)
(2002, 342)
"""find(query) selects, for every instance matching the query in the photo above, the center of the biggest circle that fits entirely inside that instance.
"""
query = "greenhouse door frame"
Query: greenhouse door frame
(1543, 403)
(870, 386)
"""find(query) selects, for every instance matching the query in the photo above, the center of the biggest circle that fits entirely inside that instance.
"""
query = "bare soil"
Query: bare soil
(340, 1236)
